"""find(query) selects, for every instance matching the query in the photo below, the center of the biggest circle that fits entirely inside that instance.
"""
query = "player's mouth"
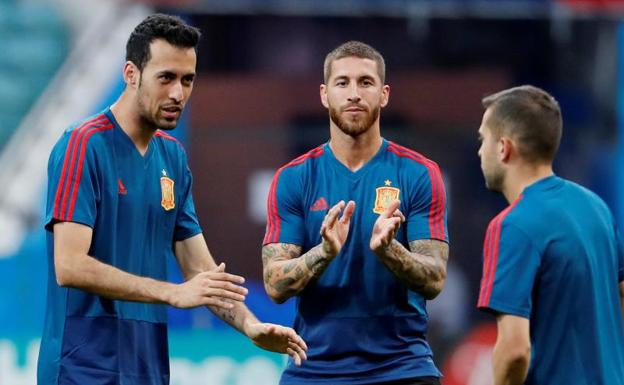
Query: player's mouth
(354, 109)
(171, 112)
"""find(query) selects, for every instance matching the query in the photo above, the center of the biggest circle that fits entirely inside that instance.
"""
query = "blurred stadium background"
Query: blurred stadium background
(255, 106)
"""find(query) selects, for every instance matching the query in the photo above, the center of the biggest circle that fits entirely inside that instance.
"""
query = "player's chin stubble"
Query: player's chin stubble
(353, 128)
(152, 121)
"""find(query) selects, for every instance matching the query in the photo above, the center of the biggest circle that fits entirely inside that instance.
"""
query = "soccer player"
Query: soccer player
(334, 238)
(553, 259)
(119, 205)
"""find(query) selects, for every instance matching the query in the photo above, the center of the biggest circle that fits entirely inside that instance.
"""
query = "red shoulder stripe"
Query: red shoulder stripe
(438, 199)
(273, 222)
(490, 255)
(83, 147)
(68, 163)
(73, 166)
(438, 194)
(487, 257)
(273, 225)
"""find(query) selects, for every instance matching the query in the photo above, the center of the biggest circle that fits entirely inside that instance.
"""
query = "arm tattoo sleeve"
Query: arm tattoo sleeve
(286, 272)
(422, 268)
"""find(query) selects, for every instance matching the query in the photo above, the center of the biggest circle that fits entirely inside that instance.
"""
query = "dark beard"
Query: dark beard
(354, 128)
(150, 122)
(147, 120)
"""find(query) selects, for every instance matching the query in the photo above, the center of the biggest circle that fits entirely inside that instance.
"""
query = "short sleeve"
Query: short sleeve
(73, 187)
(427, 214)
(187, 223)
(285, 223)
(510, 265)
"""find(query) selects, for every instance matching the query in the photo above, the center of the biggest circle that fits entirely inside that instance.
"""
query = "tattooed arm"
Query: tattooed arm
(423, 267)
(286, 272)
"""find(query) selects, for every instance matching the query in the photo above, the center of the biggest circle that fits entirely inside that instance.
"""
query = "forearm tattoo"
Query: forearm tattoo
(286, 273)
(316, 262)
(227, 315)
(423, 267)
(236, 317)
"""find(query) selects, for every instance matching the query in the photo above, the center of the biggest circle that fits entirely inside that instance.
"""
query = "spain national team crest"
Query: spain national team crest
(385, 195)
(166, 188)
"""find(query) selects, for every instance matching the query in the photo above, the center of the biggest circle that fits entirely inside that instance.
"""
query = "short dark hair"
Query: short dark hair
(355, 49)
(159, 26)
(531, 116)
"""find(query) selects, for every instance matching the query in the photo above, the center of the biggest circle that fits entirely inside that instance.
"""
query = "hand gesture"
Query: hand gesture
(213, 287)
(335, 231)
(386, 226)
(280, 339)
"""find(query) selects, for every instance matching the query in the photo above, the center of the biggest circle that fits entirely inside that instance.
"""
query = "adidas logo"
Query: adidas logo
(320, 205)
(121, 189)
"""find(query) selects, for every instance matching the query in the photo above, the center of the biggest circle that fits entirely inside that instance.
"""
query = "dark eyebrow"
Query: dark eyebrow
(173, 74)
(165, 72)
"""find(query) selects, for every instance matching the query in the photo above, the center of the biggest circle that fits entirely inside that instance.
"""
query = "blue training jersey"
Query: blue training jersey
(362, 325)
(554, 256)
(137, 207)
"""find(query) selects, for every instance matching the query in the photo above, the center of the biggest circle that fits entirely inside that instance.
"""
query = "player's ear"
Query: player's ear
(131, 74)
(385, 95)
(505, 148)
(323, 93)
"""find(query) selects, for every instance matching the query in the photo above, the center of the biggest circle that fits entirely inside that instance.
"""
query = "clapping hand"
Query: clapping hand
(386, 226)
(335, 231)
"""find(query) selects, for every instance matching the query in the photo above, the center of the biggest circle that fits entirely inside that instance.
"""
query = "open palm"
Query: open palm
(280, 339)
(334, 230)
(386, 226)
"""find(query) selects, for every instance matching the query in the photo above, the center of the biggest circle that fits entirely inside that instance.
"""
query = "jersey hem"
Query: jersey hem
(496, 307)
(427, 237)
(289, 241)
(51, 221)
(188, 235)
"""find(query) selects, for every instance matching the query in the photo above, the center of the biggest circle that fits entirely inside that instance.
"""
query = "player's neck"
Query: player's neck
(522, 176)
(354, 152)
(130, 122)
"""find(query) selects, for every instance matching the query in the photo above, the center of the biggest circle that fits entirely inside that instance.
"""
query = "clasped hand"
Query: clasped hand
(212, 288)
